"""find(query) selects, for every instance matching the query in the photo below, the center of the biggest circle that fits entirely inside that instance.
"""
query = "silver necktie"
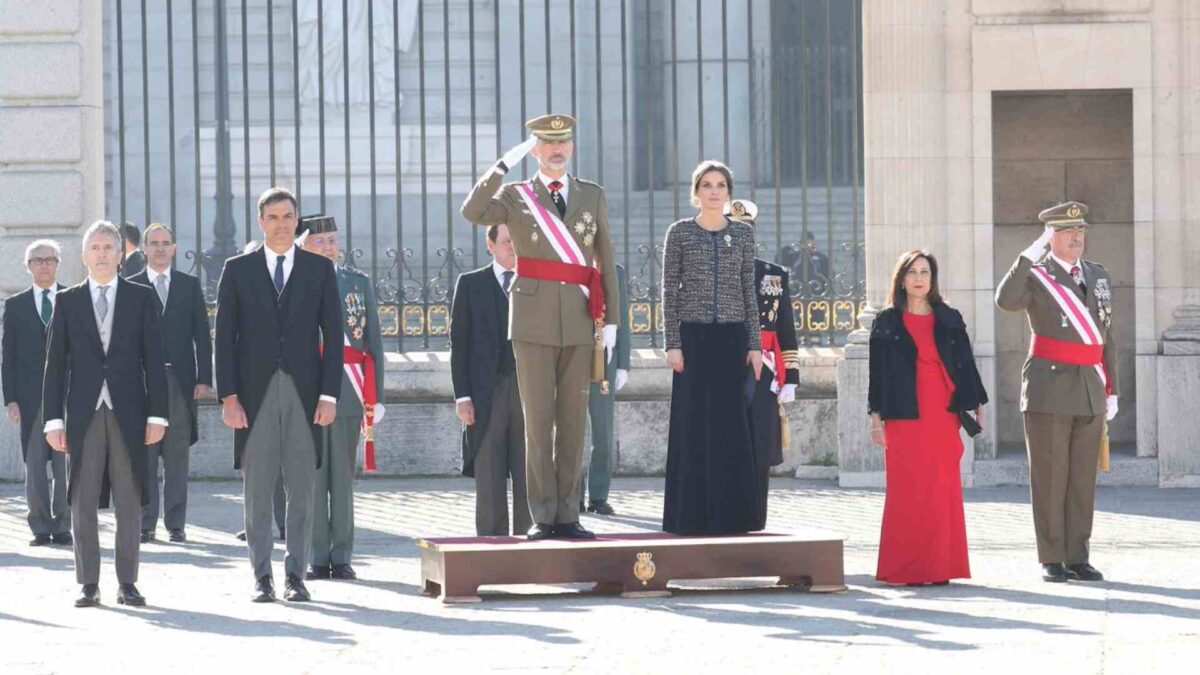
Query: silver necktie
(160, 285)
(102, 303)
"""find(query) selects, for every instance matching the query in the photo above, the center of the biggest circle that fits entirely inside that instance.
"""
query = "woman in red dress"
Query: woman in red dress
(922, 375)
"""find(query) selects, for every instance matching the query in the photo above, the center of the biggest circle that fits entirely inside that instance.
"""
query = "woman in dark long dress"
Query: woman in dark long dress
(922, 374)
(713, 345)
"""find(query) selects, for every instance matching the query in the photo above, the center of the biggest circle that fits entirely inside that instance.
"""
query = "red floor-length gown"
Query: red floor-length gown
(924, 535)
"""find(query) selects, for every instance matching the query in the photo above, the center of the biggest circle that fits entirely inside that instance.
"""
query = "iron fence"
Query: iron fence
(383, 112)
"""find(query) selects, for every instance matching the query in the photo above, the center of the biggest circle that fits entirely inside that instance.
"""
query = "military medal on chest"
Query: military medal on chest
(586, 228)
(1104, 301)
(356, 315)
(771, 285)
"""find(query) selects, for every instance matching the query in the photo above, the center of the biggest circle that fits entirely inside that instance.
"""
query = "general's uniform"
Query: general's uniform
(333, 518)
(781, 359)
(602, 407)
(1065, 383)
(551, 324)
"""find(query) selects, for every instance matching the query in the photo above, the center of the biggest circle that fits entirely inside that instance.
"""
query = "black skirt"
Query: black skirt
(712, 480)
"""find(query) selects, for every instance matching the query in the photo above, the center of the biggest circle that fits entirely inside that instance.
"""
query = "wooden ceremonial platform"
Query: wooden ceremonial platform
(635, 565)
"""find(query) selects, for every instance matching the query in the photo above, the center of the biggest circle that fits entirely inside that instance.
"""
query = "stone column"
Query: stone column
(51, 143)
(905, 86)
(1178, 371)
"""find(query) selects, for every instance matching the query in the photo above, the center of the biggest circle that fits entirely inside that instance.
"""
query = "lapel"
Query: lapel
(121, 308)
(34, 306)
(496, 293)
(1093, 305)
(296, 281)
(89, 314)
(573, 205)
(263, 285)
(543, 196)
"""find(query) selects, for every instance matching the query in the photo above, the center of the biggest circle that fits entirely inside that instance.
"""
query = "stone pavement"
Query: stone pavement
(1004, 620)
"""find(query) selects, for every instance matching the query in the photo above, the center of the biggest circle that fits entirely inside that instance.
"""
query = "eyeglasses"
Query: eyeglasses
(43, 261)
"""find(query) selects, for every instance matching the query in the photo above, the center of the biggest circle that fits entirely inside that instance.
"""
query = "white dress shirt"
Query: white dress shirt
(1067, 266)
(289, 259)
(153, 276)
(105, 326)
(37, 296)
(565, 180)
(498, 270)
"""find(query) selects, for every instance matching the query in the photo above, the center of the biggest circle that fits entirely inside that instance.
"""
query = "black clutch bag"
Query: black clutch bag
(969, 424)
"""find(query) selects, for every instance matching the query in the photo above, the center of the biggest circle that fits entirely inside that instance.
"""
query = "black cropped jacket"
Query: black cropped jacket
(892, 391)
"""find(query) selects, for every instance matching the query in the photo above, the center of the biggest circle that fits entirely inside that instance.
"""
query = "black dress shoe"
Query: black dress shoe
(62, 538)
(601, 508)
(89, 597)
(127, 594)
(1055, 573)
(241, 535)
(1084, 572)
(177, 535)
(295, 590)
(318, 572)
(573, 531)
(147, 536)
(264, 590)
(540, 531)
(40, 540)
(344, 573)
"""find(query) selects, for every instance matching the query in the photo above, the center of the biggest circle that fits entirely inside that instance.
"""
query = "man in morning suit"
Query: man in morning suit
(486, 397)
(559, 228)
(26, 320)
(1068, 385)
(362, 390)
(187, 350)
(134, 260)
(275, 308)
(104, 400)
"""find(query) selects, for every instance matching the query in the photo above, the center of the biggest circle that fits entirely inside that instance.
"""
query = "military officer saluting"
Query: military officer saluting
(359, 408)
(1068, 385)
(559, 226)
(781, 361)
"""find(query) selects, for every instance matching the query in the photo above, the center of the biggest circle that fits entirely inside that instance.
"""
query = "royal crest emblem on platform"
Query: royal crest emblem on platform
(644, 569)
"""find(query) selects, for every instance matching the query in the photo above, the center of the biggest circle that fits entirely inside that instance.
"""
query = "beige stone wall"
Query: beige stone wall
(51, 128)
(939, 172)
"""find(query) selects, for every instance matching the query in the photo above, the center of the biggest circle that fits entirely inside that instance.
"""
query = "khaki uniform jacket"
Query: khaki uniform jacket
(1047, 386)
(549, 312)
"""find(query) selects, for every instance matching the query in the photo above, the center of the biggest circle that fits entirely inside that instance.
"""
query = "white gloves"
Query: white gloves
(787, 393)
(1110, 408)
(610, 341)
(1038, 248)
(622, 379)
(517, 153)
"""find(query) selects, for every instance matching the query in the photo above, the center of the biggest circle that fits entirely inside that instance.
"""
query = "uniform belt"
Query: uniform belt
(770, 343)
(1074, 353)
(553, 270)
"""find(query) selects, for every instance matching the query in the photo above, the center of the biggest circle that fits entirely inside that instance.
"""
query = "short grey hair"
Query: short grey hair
(103, 227)
(39, 244)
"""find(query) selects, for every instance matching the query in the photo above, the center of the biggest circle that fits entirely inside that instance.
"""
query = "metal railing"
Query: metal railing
(383, 112)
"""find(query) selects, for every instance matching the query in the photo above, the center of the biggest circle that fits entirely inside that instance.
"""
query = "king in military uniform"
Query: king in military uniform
(781, 359)
(359, 408)
(1068, 385)
(559, 226)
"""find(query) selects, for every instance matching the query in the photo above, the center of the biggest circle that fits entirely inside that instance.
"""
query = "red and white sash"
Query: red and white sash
(354, 371)
(1077, 314)
(556, 231)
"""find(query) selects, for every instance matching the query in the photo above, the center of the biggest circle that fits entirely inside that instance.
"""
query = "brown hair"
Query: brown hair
(493, 232)
(159, 226)
(706, 167)
(897, 297)
(275, 194)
